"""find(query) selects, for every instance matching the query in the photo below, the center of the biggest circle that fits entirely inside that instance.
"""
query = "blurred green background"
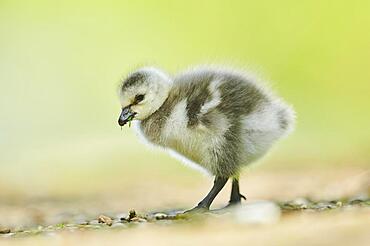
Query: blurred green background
(61, 63)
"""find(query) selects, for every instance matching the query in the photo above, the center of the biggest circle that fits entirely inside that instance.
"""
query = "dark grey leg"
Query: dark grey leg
(235, 197)
(218, 184)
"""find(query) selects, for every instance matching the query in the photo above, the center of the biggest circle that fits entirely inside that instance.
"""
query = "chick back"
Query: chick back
(220, 120)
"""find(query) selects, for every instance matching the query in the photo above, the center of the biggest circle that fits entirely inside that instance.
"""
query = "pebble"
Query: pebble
(355, 202)
(301, 202)
(324, 205)
(160, 216)
(131, 214)
(260, 212)
(4, 230)
(137, 219)
(362, 196)
(7, 235)
(105, 220)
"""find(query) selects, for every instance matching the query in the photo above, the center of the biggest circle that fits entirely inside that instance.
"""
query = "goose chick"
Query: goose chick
(216, 119)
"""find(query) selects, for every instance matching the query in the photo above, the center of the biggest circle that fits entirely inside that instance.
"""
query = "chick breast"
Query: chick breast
(219, 120)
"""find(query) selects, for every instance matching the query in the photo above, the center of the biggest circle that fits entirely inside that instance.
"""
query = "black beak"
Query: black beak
(126, 115)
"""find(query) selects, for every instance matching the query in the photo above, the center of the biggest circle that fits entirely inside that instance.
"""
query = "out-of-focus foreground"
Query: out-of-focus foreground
(61, 63)
(278, 212)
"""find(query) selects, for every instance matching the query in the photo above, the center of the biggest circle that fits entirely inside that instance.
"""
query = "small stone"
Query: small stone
(355, 202)
(361, 196)
(7, 235)
(321, 206)
(105, 220)
(301, 203)
(4, 230)
(288, 206)
(260, 212)
(325, 205)
(131, 214)
(160, 216)
(137, 219)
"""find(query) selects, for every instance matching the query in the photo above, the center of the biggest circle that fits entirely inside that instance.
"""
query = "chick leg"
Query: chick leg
(203, 205)
(235, 197)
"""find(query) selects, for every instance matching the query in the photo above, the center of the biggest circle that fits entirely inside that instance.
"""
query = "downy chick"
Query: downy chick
(215, 119)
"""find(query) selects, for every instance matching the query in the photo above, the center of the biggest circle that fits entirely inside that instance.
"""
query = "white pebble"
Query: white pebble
(259, 212)
(160, 216)
(301, 203)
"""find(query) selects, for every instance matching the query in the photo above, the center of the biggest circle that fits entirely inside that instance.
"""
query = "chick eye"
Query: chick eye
(139, 98)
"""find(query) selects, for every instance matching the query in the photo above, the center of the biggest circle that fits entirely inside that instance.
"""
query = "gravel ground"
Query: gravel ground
(258, 212)
(306, 219)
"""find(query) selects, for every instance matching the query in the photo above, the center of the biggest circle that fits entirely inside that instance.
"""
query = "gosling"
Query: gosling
(216, 119)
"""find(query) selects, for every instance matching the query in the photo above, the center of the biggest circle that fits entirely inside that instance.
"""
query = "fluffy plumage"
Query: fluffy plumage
(218, 119)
